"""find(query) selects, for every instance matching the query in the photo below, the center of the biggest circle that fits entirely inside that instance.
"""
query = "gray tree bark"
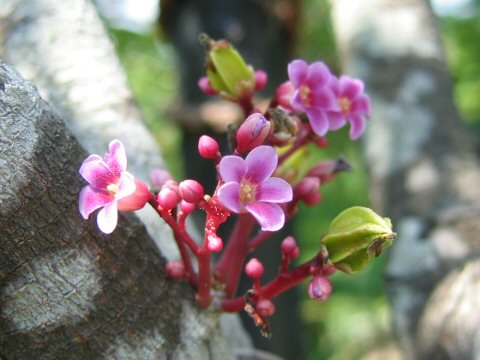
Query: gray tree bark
(424, 174)
(66, 290)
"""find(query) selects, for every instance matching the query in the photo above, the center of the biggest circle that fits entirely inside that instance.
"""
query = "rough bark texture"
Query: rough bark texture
(67, 291)
(64, 48)
(424, 173)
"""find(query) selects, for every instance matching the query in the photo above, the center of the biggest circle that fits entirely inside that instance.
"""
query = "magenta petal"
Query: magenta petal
(318, 75)
(261, 163)
(336, 120)
(126, 185)
(270, 216)
(97, 172)
(350, 87)
(274, 190)
(116, 158)
(91, 199)
(318, 121)
(232, 168)
(107, 218)
(297, 72)
(297, 103)
(357, 126)
(229, 196)
(362, 105)
(324, 99)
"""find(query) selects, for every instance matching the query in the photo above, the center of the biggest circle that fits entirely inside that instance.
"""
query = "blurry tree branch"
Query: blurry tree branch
(424, 173)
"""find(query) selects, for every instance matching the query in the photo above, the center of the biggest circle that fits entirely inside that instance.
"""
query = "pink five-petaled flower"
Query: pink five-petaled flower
(354, 105)
(312, 94)
(249, 187)
(110, 187)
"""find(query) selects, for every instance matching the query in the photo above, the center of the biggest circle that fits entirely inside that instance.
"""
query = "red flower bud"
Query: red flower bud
(167, 198)
(158, 177)
(175, 269)
(208, 147)
(284, 95)
(254, 269)
(307, 188)
(191, 191)
(187, 207)
(320, 288)
(261, 79)
(204, 85)
(265, 307)
(252, 132)
(214, 243)
(290, 248)
(137, 200)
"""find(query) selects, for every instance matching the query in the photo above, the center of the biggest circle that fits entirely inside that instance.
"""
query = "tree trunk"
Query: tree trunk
(424, 173)
(66, 290)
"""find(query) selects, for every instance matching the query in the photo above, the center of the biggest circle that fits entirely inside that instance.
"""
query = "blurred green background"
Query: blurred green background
(359, 299)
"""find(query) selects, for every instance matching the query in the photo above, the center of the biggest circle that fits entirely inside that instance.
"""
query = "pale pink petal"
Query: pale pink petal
(274, 190)
(232, 168)
(116, 158)
(126, 185)
(261, 163)
(324, 99)
(107, 218)
(318, 121)
(91, 199)
(350, 87)
(297, 103)
(229, 196)
(97, 172)
(362, 105)
(336, 120)
(297, 72)
(318, 75)
(270, 216)
(357, 126)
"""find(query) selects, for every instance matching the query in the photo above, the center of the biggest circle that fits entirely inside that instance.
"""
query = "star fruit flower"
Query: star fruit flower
(250, 188)
(110, 187)
(312, 95)
(354, 105)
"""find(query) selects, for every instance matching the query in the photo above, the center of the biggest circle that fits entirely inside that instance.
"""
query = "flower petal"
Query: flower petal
(107, 218)
(350, 87)
(274, 190)
(270, 216)
(318, 120)
(336, 120)
(229, 196)
(318, 75)
(97, 172)
(116, 158)
(232, 168)
(91, 199)
(297, 72)
(362, 105)
(357, 126)
(261, 163)
(324, 99)
(126, 185)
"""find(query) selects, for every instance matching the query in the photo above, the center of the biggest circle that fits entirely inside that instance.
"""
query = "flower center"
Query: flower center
(112, 189)
(344, 104)
(305, 95)
(247, 192)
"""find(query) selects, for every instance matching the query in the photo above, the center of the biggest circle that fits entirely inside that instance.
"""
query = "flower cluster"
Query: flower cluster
(260, 184)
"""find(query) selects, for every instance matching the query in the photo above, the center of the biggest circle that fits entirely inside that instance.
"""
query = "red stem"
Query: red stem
(204, 281)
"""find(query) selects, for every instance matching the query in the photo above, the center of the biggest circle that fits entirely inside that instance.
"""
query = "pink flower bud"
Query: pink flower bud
(214, 243)
(172, 185)
(167, 198)
(319, 288)
(254, 269)
(327, 170)
(175, 269)
(252, 132)
(289, 247)
(307, 188)
(191, 191)
(261, 79)
(187, 207)
(208, 147)
(265, 307)
(158, 177)
(284, 95)
(137, 200)
(204, 85)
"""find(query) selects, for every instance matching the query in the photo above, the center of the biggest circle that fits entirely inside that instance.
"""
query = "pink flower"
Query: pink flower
(312, 94)
(353, 103)
(249, 187)
(110, 187)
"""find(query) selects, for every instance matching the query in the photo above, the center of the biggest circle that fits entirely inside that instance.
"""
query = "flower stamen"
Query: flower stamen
(305, 95)
(112, 189)
(345, 105)
(247, 192)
